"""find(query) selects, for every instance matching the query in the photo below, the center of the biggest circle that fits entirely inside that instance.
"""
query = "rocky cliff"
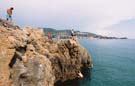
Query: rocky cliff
(28, 58)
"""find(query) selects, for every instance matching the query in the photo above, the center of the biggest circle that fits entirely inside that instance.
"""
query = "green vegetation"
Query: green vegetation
(66, 34)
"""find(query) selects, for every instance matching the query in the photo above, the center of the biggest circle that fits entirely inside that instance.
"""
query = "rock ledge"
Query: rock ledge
(27, 58)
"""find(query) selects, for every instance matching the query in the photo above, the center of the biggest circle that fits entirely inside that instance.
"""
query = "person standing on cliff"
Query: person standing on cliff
(9, 14)
(73, 35)
(72, 32)
(50, 36)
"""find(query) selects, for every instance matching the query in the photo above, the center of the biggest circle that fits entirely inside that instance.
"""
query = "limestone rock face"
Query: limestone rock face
(27, 58)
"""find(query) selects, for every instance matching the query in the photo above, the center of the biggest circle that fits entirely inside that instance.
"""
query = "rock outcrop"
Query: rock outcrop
(28, 58)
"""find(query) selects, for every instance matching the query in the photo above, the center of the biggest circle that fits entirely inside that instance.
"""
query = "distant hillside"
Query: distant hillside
(55, 32)
(66, 34)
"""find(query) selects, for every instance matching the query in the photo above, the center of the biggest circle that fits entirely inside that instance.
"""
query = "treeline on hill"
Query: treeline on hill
(55, 32)
(66, 34)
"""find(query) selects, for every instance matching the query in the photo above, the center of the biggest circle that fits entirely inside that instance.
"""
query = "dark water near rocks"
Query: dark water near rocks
(114, 63)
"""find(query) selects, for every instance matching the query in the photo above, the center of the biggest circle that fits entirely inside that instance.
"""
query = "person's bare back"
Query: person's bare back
(9, 13)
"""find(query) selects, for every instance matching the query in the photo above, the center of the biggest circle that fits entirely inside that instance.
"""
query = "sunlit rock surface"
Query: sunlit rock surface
(28, 58)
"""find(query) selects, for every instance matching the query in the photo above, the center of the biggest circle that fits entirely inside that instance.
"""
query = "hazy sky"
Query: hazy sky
(97, 16)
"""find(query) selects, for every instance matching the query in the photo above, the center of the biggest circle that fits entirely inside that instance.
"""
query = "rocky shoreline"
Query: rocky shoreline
(28, 58)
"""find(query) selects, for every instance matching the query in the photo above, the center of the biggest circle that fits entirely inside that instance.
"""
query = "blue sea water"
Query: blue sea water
(114, 63)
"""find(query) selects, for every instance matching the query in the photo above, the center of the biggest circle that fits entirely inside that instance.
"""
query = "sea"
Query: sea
(113, 61)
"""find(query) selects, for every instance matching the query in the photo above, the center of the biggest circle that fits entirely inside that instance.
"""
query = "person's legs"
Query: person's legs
(7, 17)
(10, 17)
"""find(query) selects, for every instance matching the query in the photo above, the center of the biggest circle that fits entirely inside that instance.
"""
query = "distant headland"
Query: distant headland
(65, 34)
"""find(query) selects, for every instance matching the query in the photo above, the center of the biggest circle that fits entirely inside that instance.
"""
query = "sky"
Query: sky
(103, 17)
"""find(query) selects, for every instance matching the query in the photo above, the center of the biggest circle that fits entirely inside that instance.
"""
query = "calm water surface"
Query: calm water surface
(114, 63)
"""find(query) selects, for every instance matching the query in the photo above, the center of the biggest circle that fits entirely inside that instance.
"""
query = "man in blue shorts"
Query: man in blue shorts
(9, 14)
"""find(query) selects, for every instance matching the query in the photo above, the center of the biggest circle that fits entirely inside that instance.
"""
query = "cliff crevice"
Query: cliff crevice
(28, 58)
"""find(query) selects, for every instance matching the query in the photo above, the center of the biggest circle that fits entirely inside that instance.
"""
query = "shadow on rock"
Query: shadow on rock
(76, 82)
